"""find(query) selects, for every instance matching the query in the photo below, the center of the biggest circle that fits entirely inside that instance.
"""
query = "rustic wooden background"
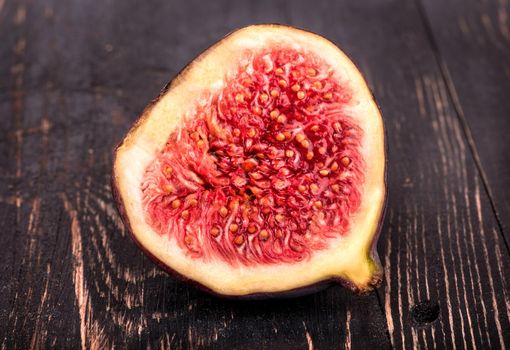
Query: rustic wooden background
(75, 74)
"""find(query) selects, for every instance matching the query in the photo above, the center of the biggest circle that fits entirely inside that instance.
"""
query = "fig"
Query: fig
(260, 168)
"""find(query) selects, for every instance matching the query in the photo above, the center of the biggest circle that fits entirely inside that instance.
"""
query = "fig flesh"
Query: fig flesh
(260, 169)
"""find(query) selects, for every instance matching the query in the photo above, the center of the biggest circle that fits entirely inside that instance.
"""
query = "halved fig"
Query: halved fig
(260, 169)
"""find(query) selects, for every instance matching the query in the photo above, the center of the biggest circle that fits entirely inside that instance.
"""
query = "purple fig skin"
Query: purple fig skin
(377, 276)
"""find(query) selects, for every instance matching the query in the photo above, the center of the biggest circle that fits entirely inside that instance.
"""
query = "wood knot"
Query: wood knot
(425, 311)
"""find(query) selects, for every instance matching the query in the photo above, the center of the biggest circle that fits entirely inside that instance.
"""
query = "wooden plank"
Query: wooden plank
(473, 41)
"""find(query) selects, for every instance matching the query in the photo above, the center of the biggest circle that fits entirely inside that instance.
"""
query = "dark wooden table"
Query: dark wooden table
(75, 74)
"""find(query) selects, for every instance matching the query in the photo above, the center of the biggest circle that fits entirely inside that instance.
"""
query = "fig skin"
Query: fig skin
(377, 274)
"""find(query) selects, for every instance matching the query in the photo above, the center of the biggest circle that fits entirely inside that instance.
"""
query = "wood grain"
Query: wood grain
(78, 73)
(479, 83)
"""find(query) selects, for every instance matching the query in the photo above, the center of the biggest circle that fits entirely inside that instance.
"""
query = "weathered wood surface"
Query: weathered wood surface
(75, 74)
(472, 44)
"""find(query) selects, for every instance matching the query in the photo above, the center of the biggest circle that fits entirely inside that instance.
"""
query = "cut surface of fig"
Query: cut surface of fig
(260, 168)
(264, 170)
